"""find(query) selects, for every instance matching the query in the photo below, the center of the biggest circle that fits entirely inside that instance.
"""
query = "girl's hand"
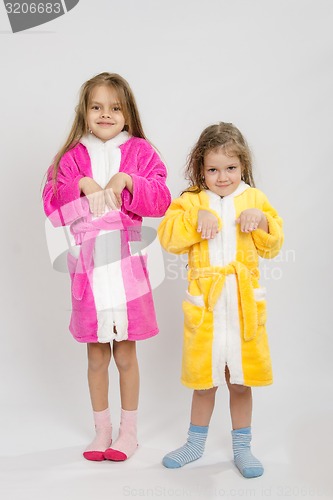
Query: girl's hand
(207, 224)
(252, 219)
(115, 187)
(94, 194)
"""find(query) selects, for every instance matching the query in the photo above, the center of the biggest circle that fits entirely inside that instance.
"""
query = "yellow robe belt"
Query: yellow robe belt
(247, 302)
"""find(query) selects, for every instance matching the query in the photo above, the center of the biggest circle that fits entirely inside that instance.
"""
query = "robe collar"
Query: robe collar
(240, 189)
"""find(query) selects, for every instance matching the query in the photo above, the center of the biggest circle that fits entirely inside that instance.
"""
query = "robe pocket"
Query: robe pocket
(260, 296)
(139, 267)
(194, 310)
(259, 293)
(196, 300)
(261, 312)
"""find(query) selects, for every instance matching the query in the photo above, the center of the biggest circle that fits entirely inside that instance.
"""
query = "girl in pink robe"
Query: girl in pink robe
(105, 179)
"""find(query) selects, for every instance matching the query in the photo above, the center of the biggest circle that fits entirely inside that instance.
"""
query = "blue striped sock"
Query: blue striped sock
(248, 465)
(192, 449)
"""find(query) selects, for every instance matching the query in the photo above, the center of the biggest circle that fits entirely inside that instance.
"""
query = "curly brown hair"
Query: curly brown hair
(223, 136)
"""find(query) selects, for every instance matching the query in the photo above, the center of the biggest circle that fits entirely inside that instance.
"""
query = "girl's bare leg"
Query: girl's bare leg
(241, 416)
(99, 356)
(240, 404)
(125, 357)
(124, 353)
(202, 406)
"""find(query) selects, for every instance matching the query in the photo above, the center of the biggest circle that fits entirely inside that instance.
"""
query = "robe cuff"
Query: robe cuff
(148, 199)
(268, 241)
(71, 205)
(71, 191)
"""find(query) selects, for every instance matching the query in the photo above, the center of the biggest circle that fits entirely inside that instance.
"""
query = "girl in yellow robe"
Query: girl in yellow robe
(224, 224)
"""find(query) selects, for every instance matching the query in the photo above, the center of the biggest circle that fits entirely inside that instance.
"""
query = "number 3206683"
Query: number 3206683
(33, 8)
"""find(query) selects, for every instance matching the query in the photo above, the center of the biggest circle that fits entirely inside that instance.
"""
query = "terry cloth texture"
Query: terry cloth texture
(108, 292)
(225, 307)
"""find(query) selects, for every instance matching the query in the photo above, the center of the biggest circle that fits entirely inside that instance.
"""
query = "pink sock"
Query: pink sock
(103, 439)
(127, 441)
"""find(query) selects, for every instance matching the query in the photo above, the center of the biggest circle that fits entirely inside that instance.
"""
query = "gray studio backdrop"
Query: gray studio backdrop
(264, 65)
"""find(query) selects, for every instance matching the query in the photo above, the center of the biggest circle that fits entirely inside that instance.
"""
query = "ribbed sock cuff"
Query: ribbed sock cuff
(243, 430)
(203, 429)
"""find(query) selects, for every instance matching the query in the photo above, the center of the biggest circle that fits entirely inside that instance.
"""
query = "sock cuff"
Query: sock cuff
(128, 414)
(202, 429)
(102, 416)
(243, 430)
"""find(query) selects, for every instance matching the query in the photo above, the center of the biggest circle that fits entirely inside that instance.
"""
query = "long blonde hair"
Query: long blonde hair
(80, 126)
(223, 136)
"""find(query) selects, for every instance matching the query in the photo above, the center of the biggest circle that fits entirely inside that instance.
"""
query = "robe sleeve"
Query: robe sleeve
(178, 230)
(62, 199)
(150, 197)
(269, 244)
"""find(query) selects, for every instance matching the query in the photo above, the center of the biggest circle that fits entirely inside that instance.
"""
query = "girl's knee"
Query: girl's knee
(125, 356)
(238, 389)
(206, 392)
(99, 356)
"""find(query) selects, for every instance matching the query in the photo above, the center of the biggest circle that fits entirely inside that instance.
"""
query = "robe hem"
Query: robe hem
(92, 339)
(143, 336)
(248, 383)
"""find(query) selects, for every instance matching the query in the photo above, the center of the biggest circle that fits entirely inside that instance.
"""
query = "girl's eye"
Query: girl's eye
(212, 170)
(232, 168)
(116, 108)
(96, 108)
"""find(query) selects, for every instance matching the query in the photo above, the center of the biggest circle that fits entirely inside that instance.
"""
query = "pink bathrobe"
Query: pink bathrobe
(67, 206)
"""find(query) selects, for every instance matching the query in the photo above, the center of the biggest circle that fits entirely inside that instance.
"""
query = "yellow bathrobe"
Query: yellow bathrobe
(224, 308)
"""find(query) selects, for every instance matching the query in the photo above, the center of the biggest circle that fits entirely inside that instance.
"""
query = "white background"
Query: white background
(266, 66)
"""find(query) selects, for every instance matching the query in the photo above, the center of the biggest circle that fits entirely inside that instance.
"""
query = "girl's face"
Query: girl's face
(105, 118)
(222, 173)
